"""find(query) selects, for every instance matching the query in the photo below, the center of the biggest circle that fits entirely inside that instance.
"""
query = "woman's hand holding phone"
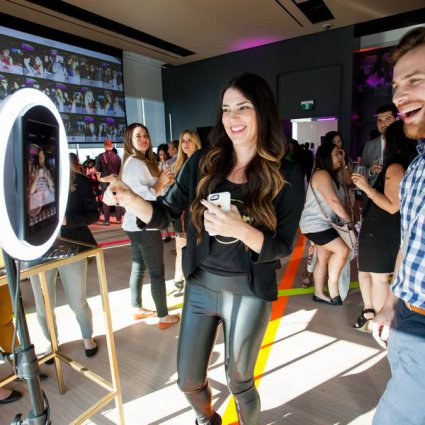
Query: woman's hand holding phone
(220, 217)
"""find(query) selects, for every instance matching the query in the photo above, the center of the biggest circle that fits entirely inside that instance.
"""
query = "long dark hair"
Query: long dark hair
(329, 137)
(324, 161)
(164, 148)
(264, 180)
(399, 148)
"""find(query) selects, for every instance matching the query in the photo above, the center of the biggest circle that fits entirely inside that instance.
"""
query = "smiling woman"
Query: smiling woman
(230, 258)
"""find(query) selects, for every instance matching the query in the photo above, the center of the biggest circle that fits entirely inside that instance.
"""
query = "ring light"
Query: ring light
(12, 109)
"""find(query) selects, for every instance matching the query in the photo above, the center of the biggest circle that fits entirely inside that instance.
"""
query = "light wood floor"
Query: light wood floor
(313, 369)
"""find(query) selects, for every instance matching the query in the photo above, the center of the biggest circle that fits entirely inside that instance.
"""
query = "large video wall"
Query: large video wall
(86, 86)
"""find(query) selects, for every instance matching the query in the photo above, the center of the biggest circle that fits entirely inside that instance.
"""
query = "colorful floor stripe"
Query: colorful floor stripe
(278, 309)
(112, 243)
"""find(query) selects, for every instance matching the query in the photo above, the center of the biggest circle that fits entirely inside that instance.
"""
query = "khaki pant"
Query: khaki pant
(6, 319)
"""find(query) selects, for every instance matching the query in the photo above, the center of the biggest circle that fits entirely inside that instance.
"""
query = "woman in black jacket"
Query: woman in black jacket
(230, 259)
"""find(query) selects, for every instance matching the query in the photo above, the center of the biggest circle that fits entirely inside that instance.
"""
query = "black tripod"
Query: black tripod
(24, 358)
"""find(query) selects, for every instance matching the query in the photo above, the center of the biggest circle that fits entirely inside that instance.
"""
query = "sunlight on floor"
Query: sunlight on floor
(300, 360)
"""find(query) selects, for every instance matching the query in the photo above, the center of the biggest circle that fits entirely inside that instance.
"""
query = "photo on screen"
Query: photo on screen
(86, 86)
(40, 154)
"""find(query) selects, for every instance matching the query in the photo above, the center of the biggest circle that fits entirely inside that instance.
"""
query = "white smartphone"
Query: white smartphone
(221, 199)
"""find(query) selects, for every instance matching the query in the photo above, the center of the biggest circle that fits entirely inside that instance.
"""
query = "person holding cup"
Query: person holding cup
(372, 154)
(379, 237)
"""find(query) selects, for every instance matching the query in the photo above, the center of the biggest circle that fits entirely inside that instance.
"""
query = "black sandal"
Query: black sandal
(362, 321)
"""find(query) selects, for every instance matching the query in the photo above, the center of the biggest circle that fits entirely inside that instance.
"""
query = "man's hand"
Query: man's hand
(375, 169)
(382, 321)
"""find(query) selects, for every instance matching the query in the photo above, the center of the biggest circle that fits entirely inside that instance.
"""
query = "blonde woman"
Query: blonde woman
(189, 142)
(141, 173)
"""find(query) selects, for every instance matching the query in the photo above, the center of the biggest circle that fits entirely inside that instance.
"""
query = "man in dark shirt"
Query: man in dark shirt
(108, 163)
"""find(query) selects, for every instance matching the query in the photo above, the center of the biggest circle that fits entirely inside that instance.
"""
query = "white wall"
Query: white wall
(142, 76)
(311, 131)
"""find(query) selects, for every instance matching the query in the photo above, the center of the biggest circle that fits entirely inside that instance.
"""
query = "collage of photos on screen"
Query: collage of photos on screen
(87, 91)
(36, 60)
(93, 129)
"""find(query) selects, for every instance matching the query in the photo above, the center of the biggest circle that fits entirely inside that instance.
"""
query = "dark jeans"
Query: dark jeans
(147, 251)
(210, 300)
(106, 209)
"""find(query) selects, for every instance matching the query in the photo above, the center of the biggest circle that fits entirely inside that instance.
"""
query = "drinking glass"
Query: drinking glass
(360, 169)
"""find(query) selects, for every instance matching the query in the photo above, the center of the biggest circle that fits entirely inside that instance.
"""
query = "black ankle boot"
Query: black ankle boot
(215, 419)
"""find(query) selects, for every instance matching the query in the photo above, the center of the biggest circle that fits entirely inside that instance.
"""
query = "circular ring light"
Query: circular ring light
(12, 108)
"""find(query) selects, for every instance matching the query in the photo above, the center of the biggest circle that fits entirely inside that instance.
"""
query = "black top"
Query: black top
(288, 204)
(81, 210)
(228, 256)
(379, 238)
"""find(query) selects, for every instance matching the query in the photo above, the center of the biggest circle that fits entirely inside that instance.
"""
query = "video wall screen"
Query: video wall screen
(86, 86)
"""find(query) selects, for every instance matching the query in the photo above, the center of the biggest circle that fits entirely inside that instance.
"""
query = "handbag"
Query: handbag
(346, 233)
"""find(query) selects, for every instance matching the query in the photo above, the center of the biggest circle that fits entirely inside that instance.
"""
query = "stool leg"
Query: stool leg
(101, 272)
(50, 325)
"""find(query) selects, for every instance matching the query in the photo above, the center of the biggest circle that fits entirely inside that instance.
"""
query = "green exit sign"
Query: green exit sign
(307, 105)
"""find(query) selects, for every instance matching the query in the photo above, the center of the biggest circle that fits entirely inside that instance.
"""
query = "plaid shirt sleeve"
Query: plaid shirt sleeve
(409, 284)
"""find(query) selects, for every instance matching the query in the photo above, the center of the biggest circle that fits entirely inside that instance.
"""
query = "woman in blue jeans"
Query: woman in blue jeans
(230, 258)
(81, 211)
(141, 172)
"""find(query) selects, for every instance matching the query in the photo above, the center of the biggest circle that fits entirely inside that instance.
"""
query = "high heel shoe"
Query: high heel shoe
(363, 323)
(215, 419)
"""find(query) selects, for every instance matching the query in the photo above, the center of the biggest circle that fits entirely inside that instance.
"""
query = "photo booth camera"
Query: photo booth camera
(34, 183)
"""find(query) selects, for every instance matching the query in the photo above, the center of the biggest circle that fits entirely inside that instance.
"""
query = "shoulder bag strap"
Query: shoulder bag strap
(318, 202)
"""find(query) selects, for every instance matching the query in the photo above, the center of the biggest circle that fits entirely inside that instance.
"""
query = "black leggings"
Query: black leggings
(210, 300)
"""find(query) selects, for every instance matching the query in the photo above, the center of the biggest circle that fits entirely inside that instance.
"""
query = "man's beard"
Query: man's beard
(415, 131)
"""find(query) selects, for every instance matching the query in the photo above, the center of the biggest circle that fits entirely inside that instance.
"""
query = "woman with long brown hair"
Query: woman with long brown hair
(230, 258)
(141, 173)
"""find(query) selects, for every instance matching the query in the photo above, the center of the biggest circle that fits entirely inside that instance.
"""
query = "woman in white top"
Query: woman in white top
(141, 173)
(325, 192)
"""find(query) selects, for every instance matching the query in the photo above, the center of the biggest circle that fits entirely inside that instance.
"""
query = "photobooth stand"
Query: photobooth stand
(25, 360)
(112, 387)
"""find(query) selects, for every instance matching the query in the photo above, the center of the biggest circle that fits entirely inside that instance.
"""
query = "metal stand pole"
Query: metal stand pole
(25, 359)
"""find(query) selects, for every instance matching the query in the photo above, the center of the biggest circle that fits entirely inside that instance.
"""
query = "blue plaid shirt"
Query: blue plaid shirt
(409, 284)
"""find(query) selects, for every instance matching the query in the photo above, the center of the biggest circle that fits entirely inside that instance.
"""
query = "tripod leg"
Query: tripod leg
(26, 360)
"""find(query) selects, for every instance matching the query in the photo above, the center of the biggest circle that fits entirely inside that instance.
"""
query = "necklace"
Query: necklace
(238, 175)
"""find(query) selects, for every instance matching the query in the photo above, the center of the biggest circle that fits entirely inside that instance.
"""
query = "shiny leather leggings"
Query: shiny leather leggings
(210, 300)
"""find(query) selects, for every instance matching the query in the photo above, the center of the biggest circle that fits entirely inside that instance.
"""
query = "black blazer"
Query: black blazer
(288, 204)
